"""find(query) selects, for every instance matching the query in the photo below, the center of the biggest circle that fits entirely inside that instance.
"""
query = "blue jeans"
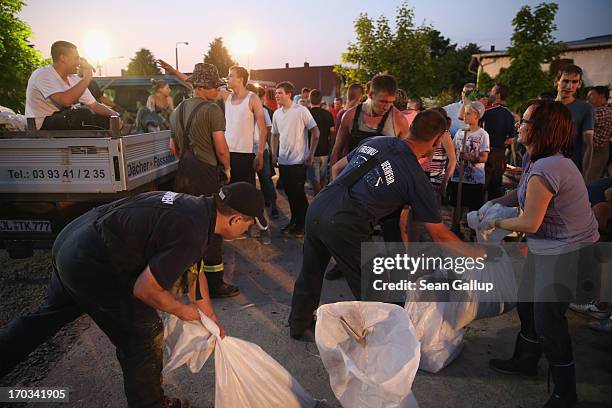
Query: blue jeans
(265, 179)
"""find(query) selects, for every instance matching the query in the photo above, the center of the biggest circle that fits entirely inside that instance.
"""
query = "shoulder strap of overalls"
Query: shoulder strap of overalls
(186, 129)
(358, 172)
(381, 125)
(356, 118)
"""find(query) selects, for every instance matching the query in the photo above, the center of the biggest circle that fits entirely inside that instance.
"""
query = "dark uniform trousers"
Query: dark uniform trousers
(335, 226)
(198, 178)
(84, 281)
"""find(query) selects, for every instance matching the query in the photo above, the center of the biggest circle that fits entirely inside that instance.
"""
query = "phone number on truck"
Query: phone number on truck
(56, 174)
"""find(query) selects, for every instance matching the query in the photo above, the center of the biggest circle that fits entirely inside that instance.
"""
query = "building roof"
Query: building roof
(590, 42)
(321, 77)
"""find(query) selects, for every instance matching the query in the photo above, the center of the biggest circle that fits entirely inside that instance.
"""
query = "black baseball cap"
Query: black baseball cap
(246, 199)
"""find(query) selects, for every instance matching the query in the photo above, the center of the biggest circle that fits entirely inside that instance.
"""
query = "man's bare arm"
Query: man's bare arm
(274, 148)
(72, 95)
(342, 137)
(147, 289)
(222, 151)
(402, 124)
(102, 110)
(338, 167)
(314, 141)
(257, 108)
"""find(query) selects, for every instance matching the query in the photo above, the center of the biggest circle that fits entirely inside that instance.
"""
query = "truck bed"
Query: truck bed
(47, 181)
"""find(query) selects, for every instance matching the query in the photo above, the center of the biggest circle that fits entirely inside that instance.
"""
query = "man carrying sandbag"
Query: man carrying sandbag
(378, 178)
(118, 262)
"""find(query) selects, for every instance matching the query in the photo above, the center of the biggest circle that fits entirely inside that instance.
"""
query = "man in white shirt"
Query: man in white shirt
(243, 114)
(54, 89)
(290, 126)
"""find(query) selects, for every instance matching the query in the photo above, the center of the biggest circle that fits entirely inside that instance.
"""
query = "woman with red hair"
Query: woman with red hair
(561, 229)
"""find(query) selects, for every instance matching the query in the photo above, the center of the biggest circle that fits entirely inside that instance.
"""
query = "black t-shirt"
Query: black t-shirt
(499, 124)
(324, 120)
(399, 180)
(167, 231)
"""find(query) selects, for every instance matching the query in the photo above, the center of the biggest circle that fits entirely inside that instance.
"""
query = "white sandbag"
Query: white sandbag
(187, 343)
(440, 324)
(371, 353)
(480, 222)
(245, 375)
(440, 342)
(484, 304)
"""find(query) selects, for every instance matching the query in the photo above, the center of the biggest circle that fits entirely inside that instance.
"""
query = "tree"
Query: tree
(219, 56)
(18, 59)
(450, 64)
(403, 52)
(143, 64)
(532, 44)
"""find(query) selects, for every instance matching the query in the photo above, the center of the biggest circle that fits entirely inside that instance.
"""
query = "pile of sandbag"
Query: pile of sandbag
(245, 375)
(440, 325)
(371, 353)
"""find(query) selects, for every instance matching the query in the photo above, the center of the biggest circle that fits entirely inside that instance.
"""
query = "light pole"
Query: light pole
(176, 51)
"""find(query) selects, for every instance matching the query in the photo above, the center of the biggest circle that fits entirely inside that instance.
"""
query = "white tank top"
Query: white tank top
(239, 125)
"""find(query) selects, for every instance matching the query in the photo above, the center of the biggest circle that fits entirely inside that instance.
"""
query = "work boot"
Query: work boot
(217, 288)
(334, 273)
(170, 402)
(303, 332)
(527, 353)
(564, 394)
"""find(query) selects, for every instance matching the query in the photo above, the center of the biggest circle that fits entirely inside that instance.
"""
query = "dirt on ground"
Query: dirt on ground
(22, 290)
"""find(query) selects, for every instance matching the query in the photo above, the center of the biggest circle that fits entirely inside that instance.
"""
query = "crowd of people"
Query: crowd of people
(377, 159)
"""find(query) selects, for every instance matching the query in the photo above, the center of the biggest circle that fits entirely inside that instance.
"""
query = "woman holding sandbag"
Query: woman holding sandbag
(561, 230)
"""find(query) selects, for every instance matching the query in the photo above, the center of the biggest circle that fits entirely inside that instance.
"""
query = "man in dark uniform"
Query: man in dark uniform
(381, 176)
(118, 262)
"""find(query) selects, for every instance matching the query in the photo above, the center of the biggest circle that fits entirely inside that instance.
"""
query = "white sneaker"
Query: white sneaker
(589, 309)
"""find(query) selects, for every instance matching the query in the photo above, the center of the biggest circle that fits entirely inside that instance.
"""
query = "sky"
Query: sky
(316, 31)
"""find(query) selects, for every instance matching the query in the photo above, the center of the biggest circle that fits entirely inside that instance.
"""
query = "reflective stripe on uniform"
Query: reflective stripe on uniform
(213, 268)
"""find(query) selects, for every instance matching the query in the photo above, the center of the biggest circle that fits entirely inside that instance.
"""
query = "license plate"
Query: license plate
(25, 226)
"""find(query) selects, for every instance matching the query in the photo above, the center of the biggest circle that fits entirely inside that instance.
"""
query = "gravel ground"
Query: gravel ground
(22, 290)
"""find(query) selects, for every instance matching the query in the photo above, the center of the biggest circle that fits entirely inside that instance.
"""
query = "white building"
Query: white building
(593, 55)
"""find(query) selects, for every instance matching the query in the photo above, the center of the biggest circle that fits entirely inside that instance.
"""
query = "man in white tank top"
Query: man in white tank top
(243, 112)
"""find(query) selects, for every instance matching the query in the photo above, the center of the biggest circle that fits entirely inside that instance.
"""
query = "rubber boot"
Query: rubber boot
(564, 394)
(217, 288)
(527, 353)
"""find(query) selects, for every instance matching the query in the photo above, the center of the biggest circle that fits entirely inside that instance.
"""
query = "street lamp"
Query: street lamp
(176, 51)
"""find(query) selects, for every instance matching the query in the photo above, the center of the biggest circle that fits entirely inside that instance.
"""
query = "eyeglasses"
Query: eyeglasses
(522, 122)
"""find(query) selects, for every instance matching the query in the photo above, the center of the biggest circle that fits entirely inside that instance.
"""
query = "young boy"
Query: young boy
(471, 157)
